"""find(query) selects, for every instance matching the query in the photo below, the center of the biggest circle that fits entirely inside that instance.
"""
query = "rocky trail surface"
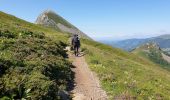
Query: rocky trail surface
(87, 86)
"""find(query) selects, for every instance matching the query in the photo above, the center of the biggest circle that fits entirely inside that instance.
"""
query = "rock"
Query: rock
(51, 19)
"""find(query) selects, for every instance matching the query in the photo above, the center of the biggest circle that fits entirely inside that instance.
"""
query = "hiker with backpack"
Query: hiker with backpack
(76, 44)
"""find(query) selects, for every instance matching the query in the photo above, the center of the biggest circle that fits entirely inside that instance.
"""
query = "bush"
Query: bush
(8, 34)
(32, 62)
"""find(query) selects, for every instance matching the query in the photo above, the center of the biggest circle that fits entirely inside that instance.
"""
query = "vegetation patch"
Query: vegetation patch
(127, 76)
(33, 62)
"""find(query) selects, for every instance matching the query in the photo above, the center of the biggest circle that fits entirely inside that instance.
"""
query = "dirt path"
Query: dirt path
(87, 85)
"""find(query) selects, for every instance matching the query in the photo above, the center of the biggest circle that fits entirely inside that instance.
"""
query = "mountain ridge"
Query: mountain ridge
(50, 19)
(154, 53)
(129, 44)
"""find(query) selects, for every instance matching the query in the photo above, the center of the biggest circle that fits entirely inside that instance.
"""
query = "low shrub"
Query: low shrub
(32, 66)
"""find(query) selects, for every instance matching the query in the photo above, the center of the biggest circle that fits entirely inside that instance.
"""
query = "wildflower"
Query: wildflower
(126, 72)
(125, 82)
(134, 81)
(20, 34)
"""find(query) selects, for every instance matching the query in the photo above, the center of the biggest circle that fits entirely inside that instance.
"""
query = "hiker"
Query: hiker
(76, 44)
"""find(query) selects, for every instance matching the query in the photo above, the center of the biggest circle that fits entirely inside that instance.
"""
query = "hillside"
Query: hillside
(153, 52)
(33, 62)
(34, 65)
(125, 75)
(51, 19)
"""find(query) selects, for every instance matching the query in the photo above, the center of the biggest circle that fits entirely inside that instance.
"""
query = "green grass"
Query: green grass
(12, 23)
(33, 63)
(153, 54)
(125, 75)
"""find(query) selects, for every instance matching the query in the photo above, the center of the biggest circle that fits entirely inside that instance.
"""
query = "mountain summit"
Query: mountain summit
(51, 19)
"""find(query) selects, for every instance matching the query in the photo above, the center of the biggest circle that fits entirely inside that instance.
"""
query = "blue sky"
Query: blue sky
(101, 19)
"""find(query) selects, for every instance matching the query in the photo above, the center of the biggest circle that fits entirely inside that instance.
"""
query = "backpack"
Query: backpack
(76, 41)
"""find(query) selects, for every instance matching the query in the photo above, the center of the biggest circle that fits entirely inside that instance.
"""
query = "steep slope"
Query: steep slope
(34, 65)
(166, 57)
(153, 52)
(33, 62)
(163, 41)
(126, 76)
(51, 19)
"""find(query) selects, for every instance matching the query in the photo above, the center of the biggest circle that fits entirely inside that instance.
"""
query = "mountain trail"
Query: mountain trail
(87, 85)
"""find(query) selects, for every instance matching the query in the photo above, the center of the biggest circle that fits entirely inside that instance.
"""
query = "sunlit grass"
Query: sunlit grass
(125, 75)
(33, 63)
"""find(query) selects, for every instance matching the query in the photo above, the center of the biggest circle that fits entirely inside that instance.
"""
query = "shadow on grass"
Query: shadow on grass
(71, 83)
(70, 87)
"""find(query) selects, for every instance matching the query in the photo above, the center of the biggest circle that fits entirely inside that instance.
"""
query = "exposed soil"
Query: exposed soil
(87, 85)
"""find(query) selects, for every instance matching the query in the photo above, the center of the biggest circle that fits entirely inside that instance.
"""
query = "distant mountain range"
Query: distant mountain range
(50, 19)
(163, 41)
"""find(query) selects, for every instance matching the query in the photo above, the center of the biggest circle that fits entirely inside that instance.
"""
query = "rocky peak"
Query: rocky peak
(148, 46)
(50, 19)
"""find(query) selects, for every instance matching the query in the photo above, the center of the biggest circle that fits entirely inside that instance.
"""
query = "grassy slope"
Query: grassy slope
(125, 75)
(153, 54)
(17, 25)
(122, 74)
(32, 60)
